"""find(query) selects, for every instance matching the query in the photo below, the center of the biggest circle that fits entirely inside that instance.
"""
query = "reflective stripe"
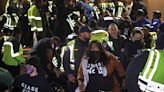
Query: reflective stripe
(11, 27)
(71, 53)
(100, 31)
(110, 44)
(12, 50)
(120, 9)
(141, 85)
(150, 60)
(153, 39)
(6, 38)
(108, 18)
(72, 59)
(34, 17)
(119, 12)
(71, 22)
(37, 29)
(72, 66)
(155, 65)
(112, 6)
(33, 28)
(9, 23)
(150, 85)
(61, 55)
(54, 61)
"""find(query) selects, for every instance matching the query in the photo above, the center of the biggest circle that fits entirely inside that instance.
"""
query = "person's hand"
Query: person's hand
(81, 86)
(71, 78)
(57, 72)
(123, 85)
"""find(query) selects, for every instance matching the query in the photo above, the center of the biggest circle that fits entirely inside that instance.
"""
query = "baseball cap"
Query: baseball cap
(84, 29)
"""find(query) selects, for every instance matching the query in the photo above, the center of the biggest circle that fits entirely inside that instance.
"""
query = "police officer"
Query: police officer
(9, 19)
(145, 72)
(73, 55)
(13, 53)
(149, 37)
(38, 20)
(155, 21)
(140, 19)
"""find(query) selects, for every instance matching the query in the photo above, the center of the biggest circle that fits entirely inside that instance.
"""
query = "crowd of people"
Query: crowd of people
(81, 46)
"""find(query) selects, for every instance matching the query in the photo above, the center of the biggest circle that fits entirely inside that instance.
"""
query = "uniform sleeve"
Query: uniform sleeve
(66, 62)
(31, 19)
(133, 71)
(18, 49)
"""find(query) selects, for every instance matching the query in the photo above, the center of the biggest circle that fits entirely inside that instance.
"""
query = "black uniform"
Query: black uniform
(79, 49)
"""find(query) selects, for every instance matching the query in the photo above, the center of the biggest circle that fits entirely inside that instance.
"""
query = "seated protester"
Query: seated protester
(134, 44)
(6, 80)
(140, 19)
(115, 42)
(100, 71)
(45, 49)
(33, 80)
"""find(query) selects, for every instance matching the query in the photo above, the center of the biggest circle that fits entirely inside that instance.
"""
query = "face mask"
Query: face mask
(29, 69)
(94, 55)
(137, 41)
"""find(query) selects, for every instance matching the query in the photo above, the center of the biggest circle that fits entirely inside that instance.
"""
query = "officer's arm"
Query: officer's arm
(66, 62)
(133, 70)
(19, 57)
(17, 51)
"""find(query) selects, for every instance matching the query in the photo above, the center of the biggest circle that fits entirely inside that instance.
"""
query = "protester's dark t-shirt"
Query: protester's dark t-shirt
(25, 83)
(97, 82)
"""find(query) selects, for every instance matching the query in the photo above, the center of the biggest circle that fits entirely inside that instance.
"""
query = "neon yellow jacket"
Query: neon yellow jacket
(35, 19)
(9, 57)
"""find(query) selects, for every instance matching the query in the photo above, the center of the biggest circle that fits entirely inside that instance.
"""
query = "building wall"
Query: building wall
(155, 5)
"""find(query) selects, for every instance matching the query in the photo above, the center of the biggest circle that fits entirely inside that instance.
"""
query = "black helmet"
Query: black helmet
(157, 14)
(140, 12)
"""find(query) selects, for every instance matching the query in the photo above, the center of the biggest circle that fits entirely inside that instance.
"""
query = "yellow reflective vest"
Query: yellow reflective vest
(35, 19)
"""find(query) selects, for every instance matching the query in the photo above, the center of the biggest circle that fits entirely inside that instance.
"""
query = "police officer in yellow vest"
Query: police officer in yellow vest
(73, 55)
(149, 37)
(9, 19)
(13, 53)
(145, 72)
(36, 19)
(4, 36)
